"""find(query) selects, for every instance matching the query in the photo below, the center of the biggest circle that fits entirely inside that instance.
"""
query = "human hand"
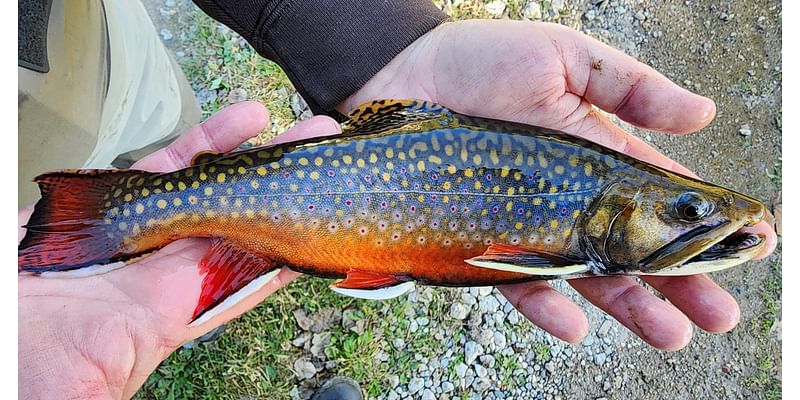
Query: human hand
(103, 335)
(549, 75)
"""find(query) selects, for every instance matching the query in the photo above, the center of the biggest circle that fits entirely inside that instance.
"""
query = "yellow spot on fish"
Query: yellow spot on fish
(261, 171)
(229, 191)
(553, 189)
(301, 174)
(445, 199)
(117, 192)
(446, 185)
(496, 189)
(293, 187)
(177, 202)
(221, 178)
(435, 159)
(288, 161)
(181, 186)
(421, 198)
(389, 152)
(476, 159)
(542, 160)
(210, 213)
(303, 161)
(168, 186)
(128, 197)
(347, 159)
(552, 205)
(161, 203)
(318, 161)
(477, 185)
(587, 169)
(223, 200)
(518, 160)
(373, 158)
(541, 184)
(339, 213)
(464, 154)
(126, 212)
(575, 214)
(537, 201)
(451, 169)
(139, 208)
(510, 191)
(509, 206)
(136, 229)
(241, 170)
(145, 192)
(203, 176)
(328, 152)
(494, 158)
(401, 155)
(254, 184)
(314, 175)
(448, 149)
(421, 166)
(504, 172)
(360, 163)
(404, 183)
(553, 224)
(573, 160)
(249, 213)
(235, 214)
(274, 165)
(208, 191)
(386, 176)
(468, 173)
(123, 226)
(559, 169)
(518, 226)
(192, 200)
(238, 203)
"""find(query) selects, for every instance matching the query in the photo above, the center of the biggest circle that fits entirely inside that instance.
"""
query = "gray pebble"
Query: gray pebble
(600, 359)
(427, 394)
(304, 369)
(604, 328)
(166, 34)
(480, 371)
(459, 311)
(415, 385)
(461, 370)
(745, 130)
(447, 387)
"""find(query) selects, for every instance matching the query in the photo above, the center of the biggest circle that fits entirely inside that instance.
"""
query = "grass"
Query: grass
(766, 380)
(776, 175)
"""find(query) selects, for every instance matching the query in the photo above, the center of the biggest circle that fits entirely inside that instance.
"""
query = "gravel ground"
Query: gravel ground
(478, 347)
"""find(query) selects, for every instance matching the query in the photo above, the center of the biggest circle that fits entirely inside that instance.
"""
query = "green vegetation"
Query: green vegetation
(766, 380)
(777, 172)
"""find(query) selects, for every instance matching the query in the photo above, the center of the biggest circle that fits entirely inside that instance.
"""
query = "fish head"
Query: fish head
(668, 224)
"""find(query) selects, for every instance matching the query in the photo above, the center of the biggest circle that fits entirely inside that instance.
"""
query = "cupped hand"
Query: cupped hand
(102, 336)
(552, 76)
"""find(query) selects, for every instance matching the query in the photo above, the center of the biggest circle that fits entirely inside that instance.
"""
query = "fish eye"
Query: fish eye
(692, 206)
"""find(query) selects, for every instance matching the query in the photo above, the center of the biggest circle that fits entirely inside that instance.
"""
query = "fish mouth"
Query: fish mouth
(705, 249)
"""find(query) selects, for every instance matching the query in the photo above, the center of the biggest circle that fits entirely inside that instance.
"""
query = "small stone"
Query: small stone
(550, 367)
(166, 34)
(484, 337)
(319, 343)
(304, 369)
(600, 359)
(458, 311)
(447, 387)
(413, 326)
(557, 5)
(423, 321)
(331, 364)
(461, 370)
(604, 328)
(598, 378)
(480, 371)
(299, 106)
(415, 385)
(237, 95)
(399, 343)
(392, 395)
(495, 8)
(513, 317)
(487, 360)
(301, 340)
(745, 130)
(590, 15)
(394, 381)
(471, 352)
(169, 3)
(532, 10)
(484, 291)
(481, 385)
(588, 341)
(489, 304)
(427, 394)
(499, 340)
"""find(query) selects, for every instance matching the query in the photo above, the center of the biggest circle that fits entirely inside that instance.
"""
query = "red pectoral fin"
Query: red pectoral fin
(366, 280)
(231, 274)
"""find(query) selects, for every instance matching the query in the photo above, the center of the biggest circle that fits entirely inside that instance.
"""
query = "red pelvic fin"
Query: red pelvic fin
(228, 270)
(66, 230)
(366, 280)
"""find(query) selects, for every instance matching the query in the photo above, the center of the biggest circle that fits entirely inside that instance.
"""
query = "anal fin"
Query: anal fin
(372, 286)
(231, 274)
(518, 259)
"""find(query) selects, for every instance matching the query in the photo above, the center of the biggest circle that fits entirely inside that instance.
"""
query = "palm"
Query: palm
(114, 329)
(551, 76)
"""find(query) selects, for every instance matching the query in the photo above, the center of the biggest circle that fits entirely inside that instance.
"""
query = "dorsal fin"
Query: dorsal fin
(206, 156)
(381, 115)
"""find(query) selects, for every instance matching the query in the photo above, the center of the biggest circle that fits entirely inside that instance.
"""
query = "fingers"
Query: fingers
(709, 306)
(621, 85)
(221, 132)
(548, 309)
(658, 323)
(313, 127)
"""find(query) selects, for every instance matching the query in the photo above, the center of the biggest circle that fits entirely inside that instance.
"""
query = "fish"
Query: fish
(409, 192)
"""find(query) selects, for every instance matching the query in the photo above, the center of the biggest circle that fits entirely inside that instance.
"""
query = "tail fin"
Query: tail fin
(67, 229)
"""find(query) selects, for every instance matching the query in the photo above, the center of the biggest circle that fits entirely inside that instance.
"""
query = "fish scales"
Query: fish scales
(444, 194)
(408, 192)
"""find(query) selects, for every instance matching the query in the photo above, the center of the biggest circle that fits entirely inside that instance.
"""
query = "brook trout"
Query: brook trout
(409, 192)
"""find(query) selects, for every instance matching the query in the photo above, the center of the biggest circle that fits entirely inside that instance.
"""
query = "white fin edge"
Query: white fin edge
(701, 267)
(92, 270)
(377, 294)
(235, 298)
(551, 271)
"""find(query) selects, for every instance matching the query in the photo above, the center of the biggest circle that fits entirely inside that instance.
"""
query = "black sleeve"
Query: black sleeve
(329, 49)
